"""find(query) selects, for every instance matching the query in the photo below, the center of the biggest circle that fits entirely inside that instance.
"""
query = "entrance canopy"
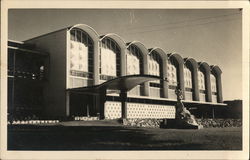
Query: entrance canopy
(124, 83)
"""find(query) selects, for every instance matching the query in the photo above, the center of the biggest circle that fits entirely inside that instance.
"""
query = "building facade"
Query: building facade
(91, 75)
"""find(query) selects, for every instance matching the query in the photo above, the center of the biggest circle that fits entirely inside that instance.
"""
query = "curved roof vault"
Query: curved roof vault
(160, 51)
(215, 69)
(92, 33)
(140, 45)
(192, 61)
(177, 57)
(118, 39)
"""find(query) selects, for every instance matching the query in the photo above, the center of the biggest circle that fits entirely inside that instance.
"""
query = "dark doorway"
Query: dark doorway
(82, 105)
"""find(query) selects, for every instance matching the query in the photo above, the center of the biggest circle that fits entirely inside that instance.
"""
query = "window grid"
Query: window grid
(109, 58)
(134, 61)
(171, 74)
(80, 44)
(201, 81)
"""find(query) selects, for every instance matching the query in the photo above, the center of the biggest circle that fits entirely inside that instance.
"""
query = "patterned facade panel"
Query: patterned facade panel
(78, 56)
(171, 73)
(214, 98)
(202, 97)
(213, 83)
(171, 94)
(140, 110)
(112, 110)
(201, 80)
(75, 82)
(187, 78)
(108, 62)
(155, 92)
(188, 95)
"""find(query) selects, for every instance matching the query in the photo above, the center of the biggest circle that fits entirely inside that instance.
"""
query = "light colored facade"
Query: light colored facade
(80, 57)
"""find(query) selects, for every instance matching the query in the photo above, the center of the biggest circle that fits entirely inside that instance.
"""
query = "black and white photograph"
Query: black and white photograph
(124, 79)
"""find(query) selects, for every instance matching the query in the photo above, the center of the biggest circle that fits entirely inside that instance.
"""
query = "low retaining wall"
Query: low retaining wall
(206, 123)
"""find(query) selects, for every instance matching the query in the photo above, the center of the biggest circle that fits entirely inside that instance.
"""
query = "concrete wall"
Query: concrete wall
(55, 44)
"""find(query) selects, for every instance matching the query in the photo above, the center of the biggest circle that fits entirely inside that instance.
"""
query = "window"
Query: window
(81, 54)
(109, 59)
(171, 74)
(155, 68)
(187, 77)
(134, 61)
(201, 81)
(213, 84)
(154, 64)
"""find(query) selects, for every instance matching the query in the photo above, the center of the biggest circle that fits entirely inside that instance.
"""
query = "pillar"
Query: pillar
(196, 95)
(67, 103)
(181, 78)
(219, 88)
(208, 86)
(145, 71)
(96, 74)
(123, 61)
(165, 83)
(102, 101)
(123, 96)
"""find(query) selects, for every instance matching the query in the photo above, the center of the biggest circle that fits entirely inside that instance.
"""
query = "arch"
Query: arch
(215, 69)
(91, 32)
(194, 68)
(177, 57)
(121, 43)
(203, 66)
(144, 55)
(110, 52)
(217, 72)
(141, 46)
(95, 37)
(161, 85)
(191, 61)
(116, 38)
(160, 51)
(180, 70)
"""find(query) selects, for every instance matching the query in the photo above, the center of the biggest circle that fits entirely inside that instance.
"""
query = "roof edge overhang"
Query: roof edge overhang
(124, 83)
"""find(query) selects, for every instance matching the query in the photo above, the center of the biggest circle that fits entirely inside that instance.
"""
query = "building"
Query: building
(85, 74)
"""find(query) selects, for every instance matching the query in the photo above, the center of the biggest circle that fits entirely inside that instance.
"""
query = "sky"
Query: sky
(210, 35)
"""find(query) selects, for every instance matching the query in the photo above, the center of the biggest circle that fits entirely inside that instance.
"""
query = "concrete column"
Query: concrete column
(195, 84)
(208, 86)
(102, 103)
(181, 78)
(67, 103)
(123, 62)
(96, 75)
(123, 96)
(165, 83)
(145, 71)
(219, 88)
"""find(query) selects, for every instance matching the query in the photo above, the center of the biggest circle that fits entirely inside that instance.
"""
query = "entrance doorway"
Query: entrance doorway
(82, 105)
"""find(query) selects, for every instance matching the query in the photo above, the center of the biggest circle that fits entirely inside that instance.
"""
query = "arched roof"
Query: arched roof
(116, 38)
(192, 61)
(177, 57)
(91, 32)
(215, 69)
(160, 51)
(205, 66)
(140, 45)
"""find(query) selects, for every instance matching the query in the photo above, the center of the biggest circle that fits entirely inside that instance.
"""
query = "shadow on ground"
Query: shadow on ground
(31, 137)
